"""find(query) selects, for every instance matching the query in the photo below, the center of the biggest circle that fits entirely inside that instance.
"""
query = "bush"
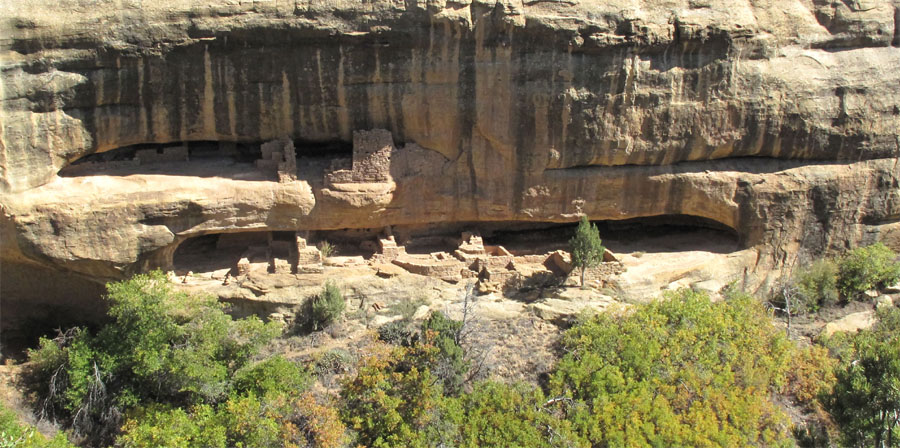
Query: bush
(326, 307)
(817, 285)
(497, 414)
(680, 372)
(867, 268)
(393, 400)
(158, 426)
(397, 333)
(274, 376)
(441, 333)
(162, 346)
(266, 407)
(442, 326)
(865, 402)
(450, 365)
(811, 374)
(16, 434)
(318, 425)
(334, 361)
(244, 420)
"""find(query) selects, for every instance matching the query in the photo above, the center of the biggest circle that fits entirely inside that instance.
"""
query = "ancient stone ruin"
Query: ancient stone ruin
(278, 156)
(263, 252)
(371, 159)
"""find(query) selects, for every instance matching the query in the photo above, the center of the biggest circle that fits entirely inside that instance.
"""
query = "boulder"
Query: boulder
(851, 323)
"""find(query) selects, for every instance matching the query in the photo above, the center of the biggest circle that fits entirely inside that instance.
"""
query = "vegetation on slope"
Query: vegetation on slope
(171, 370)
(16, 434)
(679, 372)
(865, 402)
(175, 370)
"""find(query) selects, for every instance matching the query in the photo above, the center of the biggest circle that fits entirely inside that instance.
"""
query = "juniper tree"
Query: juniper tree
(586, 247)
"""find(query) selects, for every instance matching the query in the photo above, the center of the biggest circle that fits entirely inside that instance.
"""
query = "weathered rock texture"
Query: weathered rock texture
(779, 119)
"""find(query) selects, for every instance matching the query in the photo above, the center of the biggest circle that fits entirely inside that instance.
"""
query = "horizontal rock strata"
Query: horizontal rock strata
(776, 119)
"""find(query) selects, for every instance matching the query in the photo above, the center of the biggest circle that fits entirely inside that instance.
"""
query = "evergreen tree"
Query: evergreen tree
(586, 247)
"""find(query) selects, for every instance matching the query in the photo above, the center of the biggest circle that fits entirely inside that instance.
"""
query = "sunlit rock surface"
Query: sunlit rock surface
(779, 120)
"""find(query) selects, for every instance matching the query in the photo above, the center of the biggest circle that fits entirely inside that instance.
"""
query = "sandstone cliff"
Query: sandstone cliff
(778, 119)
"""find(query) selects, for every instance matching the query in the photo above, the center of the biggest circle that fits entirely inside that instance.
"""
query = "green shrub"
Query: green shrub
(442, 326)
(865, 401)
(334, 361)
(16, 434)
(266, 407)
(817, 285)
(274, 375)
(162, 346)
(393, 400)
(450, 365)
(679, 372)
(250, 420)
(244, 420)
(501, 415)
(810, 374)
(326, 307)
(866, 268)
(158, 426)
(397, 333)
(440, 332)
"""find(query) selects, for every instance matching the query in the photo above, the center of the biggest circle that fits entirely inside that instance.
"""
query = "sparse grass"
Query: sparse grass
(326, 249)
(610, 291)
(407, 306)
(361, 313)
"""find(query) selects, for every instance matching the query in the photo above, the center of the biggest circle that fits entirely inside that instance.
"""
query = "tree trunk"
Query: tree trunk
(787, 305)
(582, 276)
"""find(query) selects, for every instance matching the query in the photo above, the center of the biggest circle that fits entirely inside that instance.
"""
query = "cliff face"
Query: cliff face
(776, 118)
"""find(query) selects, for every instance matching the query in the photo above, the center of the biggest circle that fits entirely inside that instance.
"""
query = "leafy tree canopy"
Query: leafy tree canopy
(680, 372)
(499, 415)
(865, 401)
(394, 400)
(162, 347)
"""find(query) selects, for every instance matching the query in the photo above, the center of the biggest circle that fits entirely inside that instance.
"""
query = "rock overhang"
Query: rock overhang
(780, 127)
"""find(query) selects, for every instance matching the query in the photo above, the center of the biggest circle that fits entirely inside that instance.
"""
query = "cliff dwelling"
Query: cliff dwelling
(263, 211)
(339, 223)
(456, 143)
(667, 251)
